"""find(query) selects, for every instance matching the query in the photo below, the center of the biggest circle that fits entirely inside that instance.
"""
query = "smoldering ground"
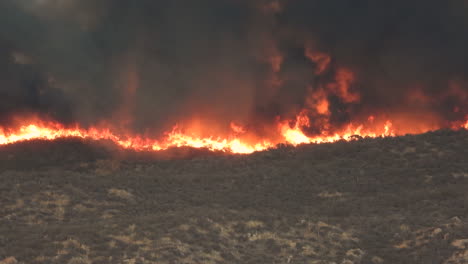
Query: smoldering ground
(147, 64)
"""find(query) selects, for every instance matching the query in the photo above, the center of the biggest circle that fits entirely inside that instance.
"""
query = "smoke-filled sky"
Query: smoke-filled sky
(147, 64)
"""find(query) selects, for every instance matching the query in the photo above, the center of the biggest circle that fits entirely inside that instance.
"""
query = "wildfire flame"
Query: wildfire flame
(313, 124)
(293, 135)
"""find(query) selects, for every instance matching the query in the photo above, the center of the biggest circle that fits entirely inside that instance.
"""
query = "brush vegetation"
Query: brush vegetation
(384, 200)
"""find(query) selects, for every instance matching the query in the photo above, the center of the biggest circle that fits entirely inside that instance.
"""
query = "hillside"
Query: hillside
(390, 200)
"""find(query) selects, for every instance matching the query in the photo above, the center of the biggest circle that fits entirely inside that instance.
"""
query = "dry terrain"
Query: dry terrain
(391, 200)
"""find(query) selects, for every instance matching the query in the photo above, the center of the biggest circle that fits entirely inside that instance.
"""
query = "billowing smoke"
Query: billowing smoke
(148, 64)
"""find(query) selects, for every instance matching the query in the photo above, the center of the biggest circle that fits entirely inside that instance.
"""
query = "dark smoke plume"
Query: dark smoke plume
(146, 64)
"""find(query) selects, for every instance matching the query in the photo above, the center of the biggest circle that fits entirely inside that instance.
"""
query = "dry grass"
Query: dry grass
(120, 194)
(397, 200)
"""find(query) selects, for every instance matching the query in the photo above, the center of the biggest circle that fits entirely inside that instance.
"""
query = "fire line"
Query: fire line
(292, 135)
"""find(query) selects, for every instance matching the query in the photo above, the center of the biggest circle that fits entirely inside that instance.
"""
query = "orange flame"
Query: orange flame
(296, 136)
(344, 79)
(238, 129)
(234, 143)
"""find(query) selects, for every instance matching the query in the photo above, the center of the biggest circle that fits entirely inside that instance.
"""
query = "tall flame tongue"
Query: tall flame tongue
(287, 134)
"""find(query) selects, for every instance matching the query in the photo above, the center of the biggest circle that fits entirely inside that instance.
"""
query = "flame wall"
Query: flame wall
(211, 65)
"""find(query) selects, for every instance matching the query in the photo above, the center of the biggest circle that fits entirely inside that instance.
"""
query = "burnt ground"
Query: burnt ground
(391, 200)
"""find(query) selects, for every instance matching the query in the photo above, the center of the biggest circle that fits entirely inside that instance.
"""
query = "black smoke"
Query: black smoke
(155, 62)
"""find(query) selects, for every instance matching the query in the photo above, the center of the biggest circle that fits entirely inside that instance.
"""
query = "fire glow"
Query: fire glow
(231, 76)
(234, 143)
(314, 123)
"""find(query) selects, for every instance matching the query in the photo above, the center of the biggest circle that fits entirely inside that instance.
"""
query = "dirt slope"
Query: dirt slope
(394, 200)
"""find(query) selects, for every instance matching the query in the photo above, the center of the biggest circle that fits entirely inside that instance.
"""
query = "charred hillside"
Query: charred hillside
(384, 200)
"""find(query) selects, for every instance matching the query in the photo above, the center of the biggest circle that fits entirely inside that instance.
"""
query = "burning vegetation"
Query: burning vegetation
(234, 76)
